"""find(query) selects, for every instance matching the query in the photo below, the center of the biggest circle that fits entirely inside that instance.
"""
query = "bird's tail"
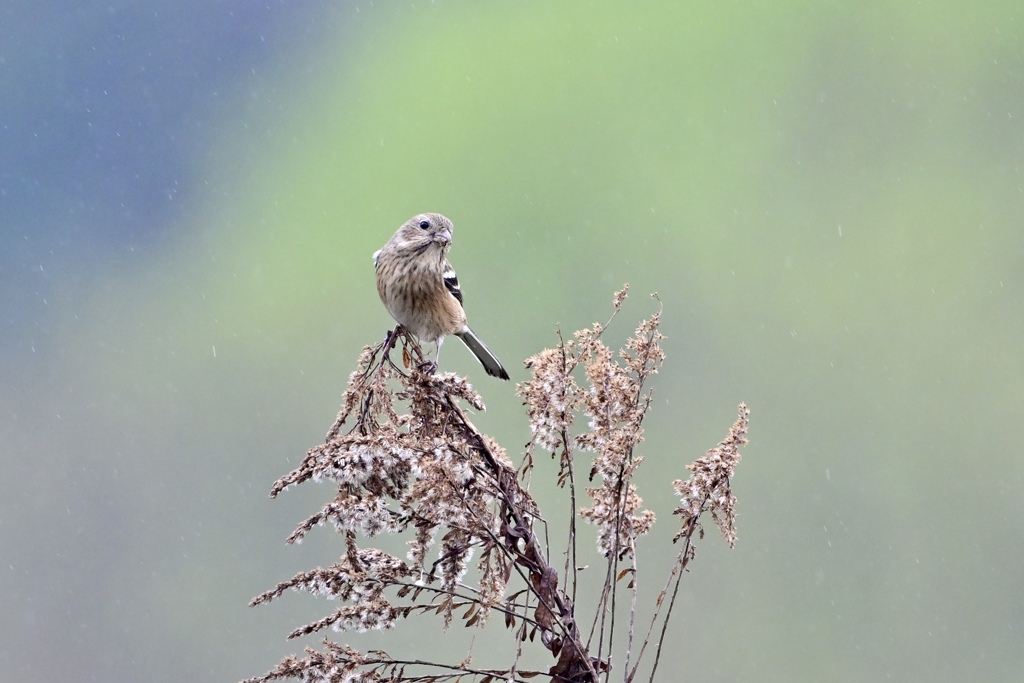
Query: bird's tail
(483, 354)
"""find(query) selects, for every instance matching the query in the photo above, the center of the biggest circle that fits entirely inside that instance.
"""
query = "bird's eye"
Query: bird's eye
(424, 224)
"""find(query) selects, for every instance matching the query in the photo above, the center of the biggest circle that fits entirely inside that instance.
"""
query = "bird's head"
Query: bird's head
(429, 226)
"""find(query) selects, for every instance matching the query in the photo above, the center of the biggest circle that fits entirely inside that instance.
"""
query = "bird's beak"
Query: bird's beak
(445, 236)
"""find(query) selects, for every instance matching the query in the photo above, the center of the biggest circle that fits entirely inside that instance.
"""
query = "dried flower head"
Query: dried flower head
(708, 489)
(551, 396)
(616, 404)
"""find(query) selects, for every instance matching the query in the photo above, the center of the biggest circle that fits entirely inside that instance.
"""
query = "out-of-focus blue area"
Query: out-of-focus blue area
(107, 112)
(826, 198)
(108, 115)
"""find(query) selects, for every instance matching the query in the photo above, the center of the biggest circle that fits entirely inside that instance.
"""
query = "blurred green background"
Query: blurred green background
(827, 198)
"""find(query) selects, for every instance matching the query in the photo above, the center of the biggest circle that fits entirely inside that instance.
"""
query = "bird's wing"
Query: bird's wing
(451, 282)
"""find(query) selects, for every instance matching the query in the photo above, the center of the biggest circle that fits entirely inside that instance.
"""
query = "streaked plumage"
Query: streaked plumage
(420, 290)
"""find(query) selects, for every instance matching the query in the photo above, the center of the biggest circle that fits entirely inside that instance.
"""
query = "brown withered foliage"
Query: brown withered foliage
(406, 460)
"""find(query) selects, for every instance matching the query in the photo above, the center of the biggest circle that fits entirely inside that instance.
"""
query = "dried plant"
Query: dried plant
(407, 460)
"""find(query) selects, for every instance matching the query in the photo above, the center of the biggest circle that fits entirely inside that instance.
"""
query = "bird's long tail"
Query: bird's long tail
(483, 354)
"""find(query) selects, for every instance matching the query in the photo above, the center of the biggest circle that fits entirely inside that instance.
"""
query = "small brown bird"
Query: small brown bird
(420, 290)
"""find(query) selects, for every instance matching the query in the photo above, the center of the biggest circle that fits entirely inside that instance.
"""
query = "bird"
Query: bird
(419, 288)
